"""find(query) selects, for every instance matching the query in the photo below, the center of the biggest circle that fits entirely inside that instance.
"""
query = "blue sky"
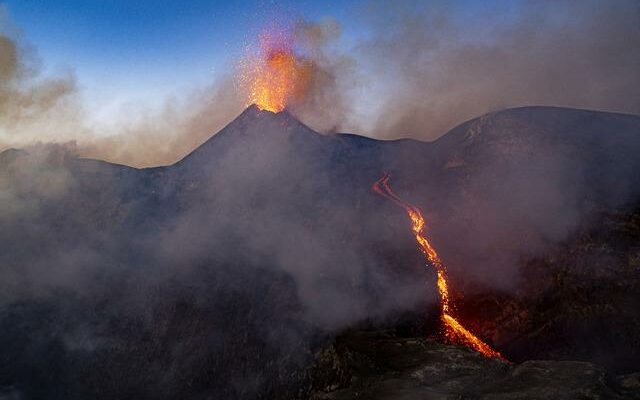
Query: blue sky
(140, 50)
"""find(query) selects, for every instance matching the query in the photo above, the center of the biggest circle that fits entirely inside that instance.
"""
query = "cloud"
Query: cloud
(33, 107)
(436, 66)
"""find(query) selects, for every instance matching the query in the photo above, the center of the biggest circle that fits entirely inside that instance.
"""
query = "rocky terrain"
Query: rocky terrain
(224, 275)
(570, 333)
(577, 302)
(379, 365)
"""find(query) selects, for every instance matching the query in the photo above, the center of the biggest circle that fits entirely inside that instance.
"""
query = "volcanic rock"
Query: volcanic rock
(379, 365)
(220, 275)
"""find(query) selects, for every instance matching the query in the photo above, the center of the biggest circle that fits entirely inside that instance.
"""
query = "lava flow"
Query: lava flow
(454, 331)
(274, 75)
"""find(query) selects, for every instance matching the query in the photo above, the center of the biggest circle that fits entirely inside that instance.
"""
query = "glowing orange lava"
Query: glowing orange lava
(274, 75)
(454, 331)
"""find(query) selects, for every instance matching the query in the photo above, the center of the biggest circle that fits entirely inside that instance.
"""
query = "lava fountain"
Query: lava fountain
(273, 75)
(454, 331)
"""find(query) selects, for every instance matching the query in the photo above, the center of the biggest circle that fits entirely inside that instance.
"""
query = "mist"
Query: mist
(237, 257)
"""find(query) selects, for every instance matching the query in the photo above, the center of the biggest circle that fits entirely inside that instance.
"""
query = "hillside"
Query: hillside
(223, 273)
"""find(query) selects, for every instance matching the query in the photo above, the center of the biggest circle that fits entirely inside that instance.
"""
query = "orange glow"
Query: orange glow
(273, 75)
(454, 331)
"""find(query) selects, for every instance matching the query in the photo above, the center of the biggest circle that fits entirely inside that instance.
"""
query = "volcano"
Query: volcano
(224, 272)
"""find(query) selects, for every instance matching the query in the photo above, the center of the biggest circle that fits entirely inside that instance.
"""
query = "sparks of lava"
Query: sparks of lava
(454, 331)
(272, 75)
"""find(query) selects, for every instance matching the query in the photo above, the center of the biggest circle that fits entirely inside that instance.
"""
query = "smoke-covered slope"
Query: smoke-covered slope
(266, 238)
(212, 277)
(515, 182)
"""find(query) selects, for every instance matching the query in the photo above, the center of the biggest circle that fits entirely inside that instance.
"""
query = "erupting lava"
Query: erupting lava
(454, 331)
(274, 75)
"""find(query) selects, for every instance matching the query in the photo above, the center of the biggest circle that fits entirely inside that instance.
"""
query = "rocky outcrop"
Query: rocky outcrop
(577, 302)
(379, 365)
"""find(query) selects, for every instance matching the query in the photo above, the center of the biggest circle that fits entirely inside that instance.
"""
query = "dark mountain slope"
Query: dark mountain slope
(578, 301)
(515, 182)
(604, 146)
(216, 276)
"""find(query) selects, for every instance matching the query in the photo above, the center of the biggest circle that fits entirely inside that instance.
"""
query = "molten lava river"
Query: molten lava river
(454, 331)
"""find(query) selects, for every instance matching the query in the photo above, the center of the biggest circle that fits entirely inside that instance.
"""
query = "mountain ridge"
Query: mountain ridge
(253, 112)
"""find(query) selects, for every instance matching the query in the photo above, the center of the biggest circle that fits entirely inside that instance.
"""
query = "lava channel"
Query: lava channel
(453, 329)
